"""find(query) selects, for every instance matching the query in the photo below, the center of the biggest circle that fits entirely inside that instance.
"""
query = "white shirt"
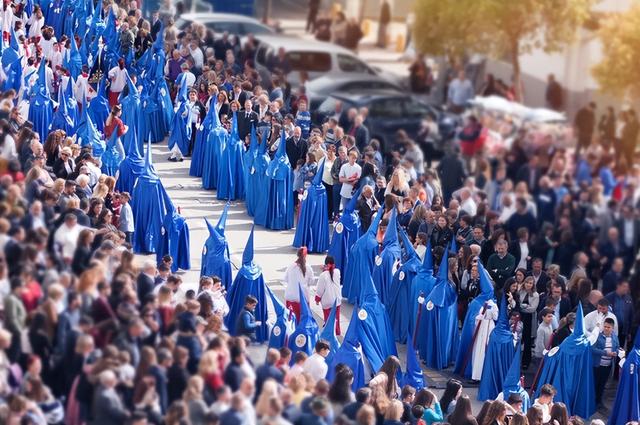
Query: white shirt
(329, 290)
(546, 411)
(198, 57)
(118, 79)
(36, 26)
(292, 277)
(190, 78)
(524, 253)
(67, 238)
(594, 321)
(469, 206)
(9, 148)
(315, 366)
(348, 170)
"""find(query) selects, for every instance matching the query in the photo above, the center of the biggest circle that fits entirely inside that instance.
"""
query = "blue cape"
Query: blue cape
(112, 156)
(345, 233)
(88, 135)
(350, 354)
(422, 286)
(131, 116)
(61, 118)
(215, 142)
(375, 331)
(414, 375)
(174, 240)
(248, 281)
(152, 126)
(202, 132)
(361, 261)
(626, 407)
(305, 336)
(41, 105)
(99, 106)
(386, 264)
(73, 61)
(260, 179)
(512, 384)
(440, 333)
(569, 370)
(11, 53)
(312, 230)
(14, 76)
(280, 197)
(181, 124)
(329, 334)
(498, 358)
(400, 298)
(284, 325)
(131, 166)
(150, 203)
(248, 158)
(231, 172)
(469, 324)
(215, 252)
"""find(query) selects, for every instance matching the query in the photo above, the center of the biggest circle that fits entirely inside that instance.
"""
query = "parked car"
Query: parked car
(315, 58)
(390, 111)
(192, 6)
(238, 25)
(321, 88)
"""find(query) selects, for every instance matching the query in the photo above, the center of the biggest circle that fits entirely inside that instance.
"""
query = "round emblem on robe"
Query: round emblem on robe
(362, 314)
(339, 228)
(162, 231)
(401, 276)
(430, 306)
(304, 195)
(301, 340)
(553, 351)
(253, 170)
(378, 260)
(277, 331)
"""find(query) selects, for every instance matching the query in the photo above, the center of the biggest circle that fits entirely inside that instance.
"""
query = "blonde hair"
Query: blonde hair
(195, 385)
(394, 410)
(101, 190)
(269, 391)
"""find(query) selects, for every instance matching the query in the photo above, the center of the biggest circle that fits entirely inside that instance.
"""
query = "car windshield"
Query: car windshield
(310, 61)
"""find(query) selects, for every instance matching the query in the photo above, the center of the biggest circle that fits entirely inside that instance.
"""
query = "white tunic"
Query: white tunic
(292, 277)
(487, 323)
(329, 290)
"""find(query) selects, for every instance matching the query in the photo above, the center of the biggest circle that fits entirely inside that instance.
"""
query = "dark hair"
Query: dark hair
(390, 366)
(340, 390)
(610, 321)
(250, 299)
(407, 390)
(559, 413)
(461, 412)
(603, 302)
(417, 411)
(363, 394)
(322, 345)
(450, 393)
(331, 263)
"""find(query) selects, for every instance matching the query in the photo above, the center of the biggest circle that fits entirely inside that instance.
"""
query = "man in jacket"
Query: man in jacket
(15, 316)
(585, 122)
(501, 264)
(246, 323)
(367, 205)
(622, 307)
(108, 408)
(246, 119)
(604, 353)
(269, 370)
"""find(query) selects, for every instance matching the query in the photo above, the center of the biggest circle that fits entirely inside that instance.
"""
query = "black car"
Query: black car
(390, 111)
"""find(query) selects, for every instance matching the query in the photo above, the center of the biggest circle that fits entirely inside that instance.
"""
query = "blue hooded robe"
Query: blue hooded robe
(312, 230)
(181, 124)
(131, 115)
(41, 105)
(112, 156)
(350, 354)
(174, 240)
(248, 281)
(231, 171)
(375, 331)
(73, 61)
(569, 369)
(283, 327)
(422, 286)
(498, 357)
(215, 252)
(361, 261)
(386, 264)
(440, 333)
(212, 155)
(88, 135)
(150, 204)
(469, 325)
(401, 294)
(10, 53)
(512, 384)
(202, 132)
(99, 106)
(414, 375)
(280, 198)
(248, 157)
(61, 118)
(150, 123)
(329, 334)
(626, 407)
(305, 336)
(260, 178)
(131, 166)
(345, 233)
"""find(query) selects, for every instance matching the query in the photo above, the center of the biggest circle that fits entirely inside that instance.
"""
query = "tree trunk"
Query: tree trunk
(517, 75)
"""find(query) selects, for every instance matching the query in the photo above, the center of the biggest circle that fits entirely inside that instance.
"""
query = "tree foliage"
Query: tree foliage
(500, 28)
(617, 71)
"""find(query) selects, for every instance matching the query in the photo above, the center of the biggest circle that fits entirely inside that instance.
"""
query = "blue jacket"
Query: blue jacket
(597, 349)
(622, 307)
(246, 324)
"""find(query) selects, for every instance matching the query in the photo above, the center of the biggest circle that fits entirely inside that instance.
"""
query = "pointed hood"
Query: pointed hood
(443, 271)
(247, 255)
(442, 293)
(503, 317)
(282, 145)
(351, 205)
(262, 149)
(317, 179)
(391, 235)
(410, 253)
(14, 75)
(183, 94)
(578, 326)
(216, 118)
(222, 221)
(413, 376)
(486, 287)
(42, 77)
(149, 171)
(215, 256)
(253, 145)
(133, 150)
(283, 326)
(74, 64)
(213, 232)
(512, 380)
(427, 262)
(329, 334)
(159, 43)
(305, 337)
(234, 128)
(373, 227)
(350, 354)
